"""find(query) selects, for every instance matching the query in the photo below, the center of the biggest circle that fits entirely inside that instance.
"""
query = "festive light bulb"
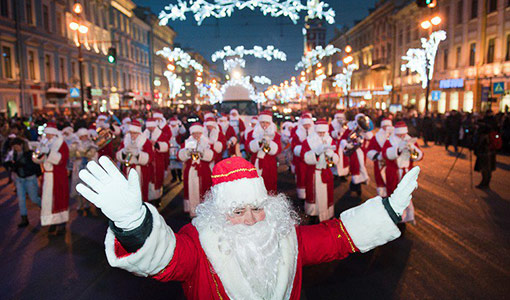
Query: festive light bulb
(83, 29)
(74, 26)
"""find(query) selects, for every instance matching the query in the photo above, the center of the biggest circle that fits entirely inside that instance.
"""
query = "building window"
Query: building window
(400, 37)
(472, 54)
(29, 7)
(457, 58)
(46, 18)
(60, 30)
(31, 65)
(490, 51)
(474, 9)
(4, 8)
(445, 59)
(460, 11)
(7, 61)
(62, 69)
(47, 68)
(492, 5)
(74, 72)
(93, 78)
(507, 55)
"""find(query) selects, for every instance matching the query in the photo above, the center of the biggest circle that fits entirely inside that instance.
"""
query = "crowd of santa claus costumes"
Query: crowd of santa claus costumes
(164, 148)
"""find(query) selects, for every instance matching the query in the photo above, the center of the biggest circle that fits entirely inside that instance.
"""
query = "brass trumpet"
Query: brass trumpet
(195, 155)
(127, 160)
(265, 146)
(413, 154)
(104, 137)
(329, 161)
(355, 140)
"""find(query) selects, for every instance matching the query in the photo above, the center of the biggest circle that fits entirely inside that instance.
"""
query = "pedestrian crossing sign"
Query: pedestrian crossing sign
(498, 88)
(74, 92)
(436, 95)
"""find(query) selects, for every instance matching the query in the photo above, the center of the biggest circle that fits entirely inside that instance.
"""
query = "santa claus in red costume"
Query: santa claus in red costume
(178, 132)
(237, 123)
(232, 146)
(352, 144)
(217, 141)
(244, 243)
(248, 132)
(264, 146)
(319, 155)
(160, 147)
(135, 152)
(336, 130)
(196, 155)
(53, 155)
(400, 152)
(102, 123)
(375, 154)
(304, 129)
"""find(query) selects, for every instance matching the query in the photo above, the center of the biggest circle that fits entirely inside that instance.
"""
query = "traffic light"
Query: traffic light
(112, 55)
(88, 92)
(426, 3)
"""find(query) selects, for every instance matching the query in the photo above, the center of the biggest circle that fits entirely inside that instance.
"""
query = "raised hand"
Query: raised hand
(118, 198)
(402, 195)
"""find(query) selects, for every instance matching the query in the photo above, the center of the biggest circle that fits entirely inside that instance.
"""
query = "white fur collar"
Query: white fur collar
(381, 136)
(301, 133)
(203, 144)
(314, 140)
(259, 133)
(139, 142)
(56, 143)
(336, 125)
(155, 134)
(212, 135)
(230, 274)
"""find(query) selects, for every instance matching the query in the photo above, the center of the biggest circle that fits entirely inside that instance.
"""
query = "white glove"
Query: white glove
(402, 145)
(45, 149)
(319, 149)
(380, 156)
(133, 150)
(119, 199)
(402, 195)
(329, 153)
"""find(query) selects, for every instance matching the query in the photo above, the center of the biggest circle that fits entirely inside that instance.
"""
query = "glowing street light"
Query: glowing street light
(348, 49)
(436, 20)
(74, 26)
(77, 8)
(348, 59)
(83, 29)
(426, 24)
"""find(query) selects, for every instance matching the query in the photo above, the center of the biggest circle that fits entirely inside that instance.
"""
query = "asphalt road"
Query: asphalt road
(458, 249)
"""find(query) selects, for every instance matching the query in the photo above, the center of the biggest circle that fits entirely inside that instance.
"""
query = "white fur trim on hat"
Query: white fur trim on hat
(386, 123)
(400, 130)
(134, 128)
(51, 130)
(265, 118)
(82, 132)
(321, 128)
(210, 123)
(196, 128)
(151, 124)
(239, 193)
(158, 115)
(306, 121)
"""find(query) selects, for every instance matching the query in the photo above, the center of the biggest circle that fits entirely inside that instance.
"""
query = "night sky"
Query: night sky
(250, 28)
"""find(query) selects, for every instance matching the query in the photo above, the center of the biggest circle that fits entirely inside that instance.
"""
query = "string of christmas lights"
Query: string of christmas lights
(180, 58)
(269, 53)
(314, 56)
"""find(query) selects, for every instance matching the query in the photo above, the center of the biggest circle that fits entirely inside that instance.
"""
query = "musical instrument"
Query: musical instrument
(329, 161)
(264, 144)
(38, 152)
(104, 137)
(363, 124)
(127, 160)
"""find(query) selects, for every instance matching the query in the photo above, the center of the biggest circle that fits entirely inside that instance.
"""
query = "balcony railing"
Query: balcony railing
(56, 88)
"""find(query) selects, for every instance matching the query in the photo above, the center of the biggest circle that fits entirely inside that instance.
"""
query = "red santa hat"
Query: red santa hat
(254, 119)
(102, 116)
(305, 114)
(92, 130)
(386, 122)
(208, 115)
(321, 125)
(135, 126)
(236, 183)
(232, 111)
(68, 130)
(400, 128)
(210, 121)
(340, 113)
(266, 116)
(196, 127)
(82, 131)
(223, 118)
(158, 114)
(174, 121)
(51, 128)
(306, 119)
(126, 120)
(151, 122)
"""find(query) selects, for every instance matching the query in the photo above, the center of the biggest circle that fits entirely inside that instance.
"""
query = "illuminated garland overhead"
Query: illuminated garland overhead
(180, 58)
(209, 92)
(261, 80)
(343, 80)
(420, 60)
(314, 56)
(175, 84)
(316, 84)
(232, 63)
(269, 53)
(202, 9)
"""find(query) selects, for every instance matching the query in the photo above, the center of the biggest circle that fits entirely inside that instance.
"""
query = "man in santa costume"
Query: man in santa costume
(304, 129)
(135, 152)
(53, 157)
(375, 154)
(264, 146)
(196, 155)
(400, 152)
(216, 139)
(286, 140)
(178, 132)
(336, 130)
(352, 143)
(124, 128)
(319, 155)
(102, 124)
(244, 243)
(160, 143)
(232, 146)
(236, 122)
(81, 152)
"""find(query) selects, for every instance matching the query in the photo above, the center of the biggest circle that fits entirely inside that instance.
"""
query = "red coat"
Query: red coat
(309, 174)
(161, 155)
(143, 164)
(317, 244)
(299, 165)
(374, 151)
(167, 132)
(267, 165)
(231, 140)
(356, 160)
(107, 151)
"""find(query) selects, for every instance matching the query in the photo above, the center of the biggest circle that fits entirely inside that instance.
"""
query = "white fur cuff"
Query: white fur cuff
(155, 254)
(369, 225)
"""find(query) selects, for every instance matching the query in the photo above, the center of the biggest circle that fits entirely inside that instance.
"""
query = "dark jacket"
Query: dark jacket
(23, 165)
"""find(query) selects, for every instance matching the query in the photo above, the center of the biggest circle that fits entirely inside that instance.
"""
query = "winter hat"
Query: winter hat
(135, 126)
(386, 122)
(321, 125)
(400, 128)
(68, 130)
(266, 116)
(223, 118)
(210, 122)
(254, 120)
(208, 115)
(340, 114)
(232, 111)
(158, 115)
(174, 121)
(306, 119)
(126, 120)
(82, 132)
(51, 128)
(196, 127)
(236, 183)
(92, 130)
(102, 116)
(151, 122)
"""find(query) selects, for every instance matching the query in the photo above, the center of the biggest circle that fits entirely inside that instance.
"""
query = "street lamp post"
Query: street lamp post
(347, 60)
(80, 28)
(428, 24)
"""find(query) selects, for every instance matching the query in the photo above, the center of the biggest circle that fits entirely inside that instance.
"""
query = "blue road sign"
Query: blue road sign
(74, 92)
(485, 93)
(498, 88)
(436, 95)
